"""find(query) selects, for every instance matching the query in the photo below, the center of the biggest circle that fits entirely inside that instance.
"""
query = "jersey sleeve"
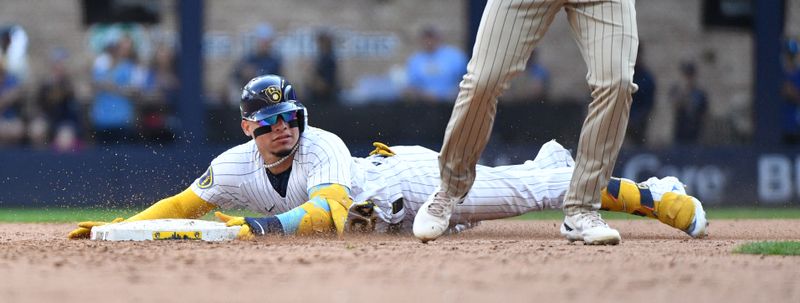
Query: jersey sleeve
(208, 189)
(220, 182)
(329, 162)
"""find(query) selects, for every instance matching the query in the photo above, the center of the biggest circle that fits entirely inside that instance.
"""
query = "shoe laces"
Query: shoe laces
(592, 219)
(440, 205)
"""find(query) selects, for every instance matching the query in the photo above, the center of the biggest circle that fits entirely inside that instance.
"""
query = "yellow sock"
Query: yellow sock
(623, 195)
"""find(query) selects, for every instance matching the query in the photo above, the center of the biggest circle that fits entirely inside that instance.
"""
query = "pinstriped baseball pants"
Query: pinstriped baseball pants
(606, 34)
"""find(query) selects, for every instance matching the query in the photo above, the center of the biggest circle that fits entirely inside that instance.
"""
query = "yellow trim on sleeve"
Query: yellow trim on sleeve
(339, 201)
(185, 205)
(316, 221)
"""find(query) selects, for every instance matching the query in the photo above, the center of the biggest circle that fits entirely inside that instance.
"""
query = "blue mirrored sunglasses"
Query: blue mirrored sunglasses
(272, 120)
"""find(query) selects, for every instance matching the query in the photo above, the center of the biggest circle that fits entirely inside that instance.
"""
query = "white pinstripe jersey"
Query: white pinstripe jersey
(237, 177)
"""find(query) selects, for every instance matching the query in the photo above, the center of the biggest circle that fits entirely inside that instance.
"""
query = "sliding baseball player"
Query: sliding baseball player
(304, 181)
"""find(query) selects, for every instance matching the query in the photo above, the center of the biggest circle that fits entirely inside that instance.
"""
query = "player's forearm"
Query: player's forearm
(185, 205)
(324, 213)
(313, 217)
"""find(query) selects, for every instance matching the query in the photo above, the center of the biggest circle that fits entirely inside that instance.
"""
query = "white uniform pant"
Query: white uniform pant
(499, 192)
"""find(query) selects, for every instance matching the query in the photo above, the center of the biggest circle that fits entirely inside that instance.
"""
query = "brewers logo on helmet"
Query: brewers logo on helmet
(274, 93)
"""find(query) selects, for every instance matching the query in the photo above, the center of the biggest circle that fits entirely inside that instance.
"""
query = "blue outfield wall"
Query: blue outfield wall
(724, 176)
(135, 176)
(120, 176)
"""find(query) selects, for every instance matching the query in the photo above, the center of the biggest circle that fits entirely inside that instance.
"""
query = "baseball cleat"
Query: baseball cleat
(683, 212)
(433, 218)
(675, 208)
(699, 226)
(590, 228)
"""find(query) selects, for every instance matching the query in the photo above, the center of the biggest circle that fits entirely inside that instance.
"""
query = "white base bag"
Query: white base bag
(165, 229)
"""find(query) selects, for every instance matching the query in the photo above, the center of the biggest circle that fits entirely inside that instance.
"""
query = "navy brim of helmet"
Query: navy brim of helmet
(272, 110)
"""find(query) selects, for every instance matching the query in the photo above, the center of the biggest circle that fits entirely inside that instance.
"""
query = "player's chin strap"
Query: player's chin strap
(281, 160)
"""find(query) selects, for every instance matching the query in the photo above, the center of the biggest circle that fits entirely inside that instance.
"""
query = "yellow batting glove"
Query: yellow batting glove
(381, 150)
(84, 229)
(244, 233)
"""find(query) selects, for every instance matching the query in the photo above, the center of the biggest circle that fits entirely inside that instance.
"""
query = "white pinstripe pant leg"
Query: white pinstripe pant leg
(509, 191)
(607, 36)
(508, 32)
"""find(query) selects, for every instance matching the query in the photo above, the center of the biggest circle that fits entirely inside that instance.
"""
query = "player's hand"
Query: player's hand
(381, 150)
(84, 230)
(245, 232)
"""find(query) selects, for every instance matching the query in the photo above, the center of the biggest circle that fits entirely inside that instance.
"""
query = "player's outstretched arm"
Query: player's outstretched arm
(245, 233)
(185, 205)
(324, 213)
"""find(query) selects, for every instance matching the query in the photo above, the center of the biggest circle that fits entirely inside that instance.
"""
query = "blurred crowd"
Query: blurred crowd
(133, 98)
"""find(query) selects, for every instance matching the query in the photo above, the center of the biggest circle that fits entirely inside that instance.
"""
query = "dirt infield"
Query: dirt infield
(503, 261)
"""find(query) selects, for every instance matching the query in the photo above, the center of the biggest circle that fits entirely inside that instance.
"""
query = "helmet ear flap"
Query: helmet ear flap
(288, 93)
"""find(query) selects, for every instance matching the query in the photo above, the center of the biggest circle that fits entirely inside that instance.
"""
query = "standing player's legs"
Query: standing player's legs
(607, 36)
(508, 32)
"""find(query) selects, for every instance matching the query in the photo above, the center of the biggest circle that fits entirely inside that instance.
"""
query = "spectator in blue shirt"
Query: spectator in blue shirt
(113, 112)
(435, 71)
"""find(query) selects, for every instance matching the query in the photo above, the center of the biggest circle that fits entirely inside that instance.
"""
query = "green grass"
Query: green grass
(101, 214)
(784, 248)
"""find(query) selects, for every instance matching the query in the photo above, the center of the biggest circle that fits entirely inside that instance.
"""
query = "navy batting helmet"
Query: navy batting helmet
(265, 97)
